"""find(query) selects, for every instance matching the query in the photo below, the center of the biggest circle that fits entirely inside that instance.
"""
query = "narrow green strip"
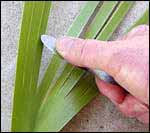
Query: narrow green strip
(115, 20)
(100, 18)
(81, 20)
(48, 77)
(144, 19)
(59, 111)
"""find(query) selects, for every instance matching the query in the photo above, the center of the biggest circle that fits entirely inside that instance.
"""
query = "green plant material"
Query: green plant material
(115, 20)
(68, 67)
(144, 19)
(34, 21)
(74, 88)
(35, 17)
(75, 30)
(100, 19)
(82, 19)
(91, 92)
(69, 78)
(59, 110)
(67, 86)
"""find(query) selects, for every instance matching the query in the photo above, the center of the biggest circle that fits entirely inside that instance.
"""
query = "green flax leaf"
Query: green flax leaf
(34, 21)
(115, 20)
(144, 19)
(50, 108)
(67, 82)
(75, 30)
(72, 90)
(70, 70)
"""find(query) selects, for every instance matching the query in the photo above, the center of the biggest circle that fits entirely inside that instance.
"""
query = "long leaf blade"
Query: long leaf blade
(59, 110)
(100, 18)
(118, 15)
(34, 22)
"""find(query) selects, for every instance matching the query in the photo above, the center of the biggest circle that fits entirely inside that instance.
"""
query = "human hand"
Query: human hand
(126, 60)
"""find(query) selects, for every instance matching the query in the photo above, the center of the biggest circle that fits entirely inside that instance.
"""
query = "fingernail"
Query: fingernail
(63, 45)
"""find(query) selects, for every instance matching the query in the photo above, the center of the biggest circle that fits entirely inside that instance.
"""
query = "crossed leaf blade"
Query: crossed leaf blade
(49, 108)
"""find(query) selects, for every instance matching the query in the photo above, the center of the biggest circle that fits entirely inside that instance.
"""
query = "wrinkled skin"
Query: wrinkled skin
(126, 59)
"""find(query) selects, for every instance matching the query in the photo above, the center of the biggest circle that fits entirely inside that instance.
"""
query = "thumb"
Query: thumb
(92, 54)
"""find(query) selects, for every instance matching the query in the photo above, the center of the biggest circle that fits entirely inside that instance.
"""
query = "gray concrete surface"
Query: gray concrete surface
(99, 115)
